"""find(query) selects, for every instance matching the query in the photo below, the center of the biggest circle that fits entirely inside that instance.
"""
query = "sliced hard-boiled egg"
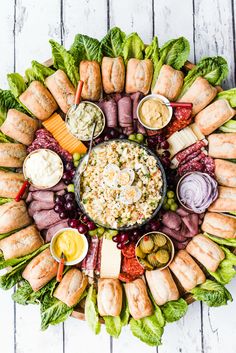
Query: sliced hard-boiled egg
(110, 175)
(130, 195)
(125, 178)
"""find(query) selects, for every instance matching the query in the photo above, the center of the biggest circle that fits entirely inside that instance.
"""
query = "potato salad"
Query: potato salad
(121, 186)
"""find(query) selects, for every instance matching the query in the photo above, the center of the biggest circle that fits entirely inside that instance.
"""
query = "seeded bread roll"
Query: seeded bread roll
(169, 82)
(206, 251)
(139, 76)
(62, 89)
(113, 74)
(19, 126)
(91, 76)
(187, 271)
(109, 297)
(39, 100)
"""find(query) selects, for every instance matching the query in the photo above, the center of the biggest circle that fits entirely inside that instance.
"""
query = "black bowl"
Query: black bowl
(162, 191)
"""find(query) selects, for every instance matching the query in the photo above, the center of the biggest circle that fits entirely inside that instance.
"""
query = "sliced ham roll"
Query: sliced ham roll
(139, 76)
(46, 218)
(201, 93)
(10, 183)
(19, 126)
(12, 155)
(40, 270)
(13, 215)
(21, 243)
(169, 82)
(113, 74)
(110, 110)
(213, 116)
(71, 287)
(125, 114)
(62, 89)
(91, 76)
(39, 100)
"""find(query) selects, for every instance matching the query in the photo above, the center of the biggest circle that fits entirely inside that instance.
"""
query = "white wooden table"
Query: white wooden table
(25, 28)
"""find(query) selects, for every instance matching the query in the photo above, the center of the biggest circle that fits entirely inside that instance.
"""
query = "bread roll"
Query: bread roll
(21, 243)
(219, 225)
(139, 76)
(226, 201)
(39, 100)
(139, 302)
(222, 145)
(19, 126)
(113, 74)
(10, 183)
(13, 215)
(201, 93)
(208, 253)
(109, 297)
(71, 287)
(62, 89)
(214, 115)
(91, 76)
(162, 286)
(225, 172)
(12, 155)
(169, 82)
(40, 270)
(187, 271)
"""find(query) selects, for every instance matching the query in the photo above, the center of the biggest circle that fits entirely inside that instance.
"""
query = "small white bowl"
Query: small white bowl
(69, 263)
(164, 100)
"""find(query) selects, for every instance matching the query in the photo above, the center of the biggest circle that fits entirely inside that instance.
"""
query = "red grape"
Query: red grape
(166, 162)
(116, 238)
(84, 218)
(91, 225)
(122, 136)
(166, 154)
(154, 225)
(58, 208)
(160, 138)
(59, 199)
(124, 237)
(82, 228)
(151, 142)
(67, 176)
(69, 166)
(63, 215)
(112, 133)
(70, 196)
(164, 145)
(73, 223)
(70, 205)
(121, 245)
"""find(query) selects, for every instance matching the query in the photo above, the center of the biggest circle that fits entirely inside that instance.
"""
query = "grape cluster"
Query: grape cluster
(109, 134)
(170, 202)
(159, 142)
(123, 238)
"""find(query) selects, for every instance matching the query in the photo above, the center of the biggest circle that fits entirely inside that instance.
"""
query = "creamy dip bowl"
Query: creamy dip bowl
(153, 111)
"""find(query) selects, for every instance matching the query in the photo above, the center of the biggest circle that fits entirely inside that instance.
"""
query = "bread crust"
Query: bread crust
(109, 297)
(222, 145)
(225, 172)
(139, 76)
(91, 76)
(13, 215)
(219, 225)
(113, 74)
(12, 155)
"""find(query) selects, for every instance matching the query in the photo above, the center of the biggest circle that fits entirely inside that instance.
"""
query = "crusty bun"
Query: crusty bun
(220, 225)
(10, 183)
(139, 76)
(222, 145)
(226, 201)
(12, 155)
(91, 76)
(206, 251)
(162, 286)
(13, 215)
(113, 74)
(225, 172)
(213, 116)
(109, 297)
(187, 271)
(169, 82)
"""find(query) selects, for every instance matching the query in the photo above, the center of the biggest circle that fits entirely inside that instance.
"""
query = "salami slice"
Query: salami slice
(192, 167)
(190, 157)
(186, 166)
(132, 267)
(90, 261)
(189, 150)
(98, 265)
(125, 277)
(209, 165)
(181, 118)
(129, 250)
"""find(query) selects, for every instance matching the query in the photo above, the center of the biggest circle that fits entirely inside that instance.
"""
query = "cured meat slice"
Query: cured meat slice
(90, 261)
(181, 118)
(44, 219)
(129, 250)
(132, 267)
(189, 150)
(55, 228)
(98, 265)
(110, 110)
(186, 166)
(125, 113)
(36, 206)
(44, 196)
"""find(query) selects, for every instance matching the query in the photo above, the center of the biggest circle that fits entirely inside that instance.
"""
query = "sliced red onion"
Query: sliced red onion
(197, 191)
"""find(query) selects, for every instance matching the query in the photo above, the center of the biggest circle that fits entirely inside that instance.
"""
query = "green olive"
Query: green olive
(166, 206)
(170, 202)
(71, 188)
(139, 137)
(173, 207)
(170, 194)
(132, 137)
(76, 163)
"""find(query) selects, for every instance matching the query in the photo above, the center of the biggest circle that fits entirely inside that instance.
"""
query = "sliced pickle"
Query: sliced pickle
(146, 264)
(162, 256)
(159, 239)
(139, 252)
(146, 244)
(152, 259)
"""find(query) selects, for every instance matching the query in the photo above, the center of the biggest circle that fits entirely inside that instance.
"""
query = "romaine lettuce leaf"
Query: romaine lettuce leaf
(229, 126)
(133, 47)
(214, 69)
(91, 311)
(174, 310)
(230, 95)
(4, 235)
(222, 241)
(152, 51)
(124, 315)
(113, 325)
(38, 72)
(112, 43)
(53, 311)
(225, 271)
(4, 138)
(16, 83)
(212, 293)
(63, 60)
(149, 329)
(8, 101)
(86, 48)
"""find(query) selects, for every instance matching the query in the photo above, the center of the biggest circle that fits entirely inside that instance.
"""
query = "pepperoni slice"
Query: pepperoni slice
(125, 277)
(181, 118)
(132, 267)
(129, 250)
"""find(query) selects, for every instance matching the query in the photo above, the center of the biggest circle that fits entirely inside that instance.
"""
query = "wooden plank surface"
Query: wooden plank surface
(210, 28)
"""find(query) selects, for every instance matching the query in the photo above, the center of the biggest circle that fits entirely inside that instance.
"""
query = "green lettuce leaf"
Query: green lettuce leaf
(133, 47)
(230, 95)
(112, 43)
(225, 271)
(63, 60)
(113, 325)
(16, 83)
(124, 315)
(4, 235)
(38, 72)
(175, 53)
(152, 51)
(8, 101)
(53, 311)
(174, 310)
(222, 241)
(4, 138)
(86, 48)
(4, 200)
(149, 329)
(91, 311)
(229, 126)
(212, 293)
(15, 261)
(213, 69)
